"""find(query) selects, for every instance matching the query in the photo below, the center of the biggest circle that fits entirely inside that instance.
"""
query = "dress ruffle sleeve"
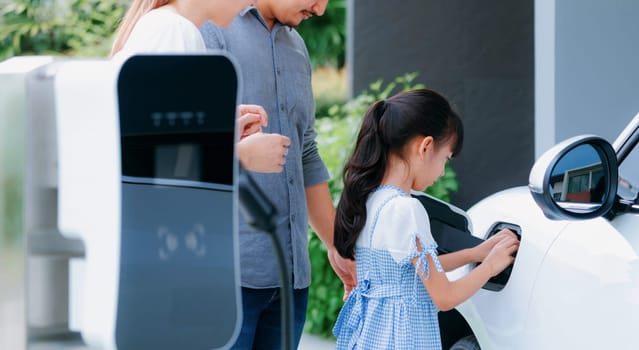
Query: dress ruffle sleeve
(421, 253)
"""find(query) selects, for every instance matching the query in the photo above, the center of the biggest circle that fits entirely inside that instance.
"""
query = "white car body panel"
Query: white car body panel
(574, 285)
(590, 283)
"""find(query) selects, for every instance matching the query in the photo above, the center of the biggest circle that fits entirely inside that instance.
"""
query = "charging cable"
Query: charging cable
(259, 212)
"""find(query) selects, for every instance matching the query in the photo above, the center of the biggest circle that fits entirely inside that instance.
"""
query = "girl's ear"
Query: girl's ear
(426, 144)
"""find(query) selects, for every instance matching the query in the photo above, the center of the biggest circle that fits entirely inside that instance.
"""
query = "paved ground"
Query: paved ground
(312, 342)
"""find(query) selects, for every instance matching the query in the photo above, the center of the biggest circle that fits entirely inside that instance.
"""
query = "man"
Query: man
(276, 74)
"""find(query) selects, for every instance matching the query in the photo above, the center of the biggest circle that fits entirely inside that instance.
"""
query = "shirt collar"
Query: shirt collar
(248, 9)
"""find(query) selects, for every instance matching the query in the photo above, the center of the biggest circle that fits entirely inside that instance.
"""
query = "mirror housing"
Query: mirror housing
(542, 173)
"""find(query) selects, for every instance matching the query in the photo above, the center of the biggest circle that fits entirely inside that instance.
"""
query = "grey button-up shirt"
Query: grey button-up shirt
(276, 74)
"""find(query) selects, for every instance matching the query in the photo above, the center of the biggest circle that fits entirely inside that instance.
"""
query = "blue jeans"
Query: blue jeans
(262, 319)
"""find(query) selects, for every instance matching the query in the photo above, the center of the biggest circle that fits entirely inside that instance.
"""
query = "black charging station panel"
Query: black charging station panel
(178, 283)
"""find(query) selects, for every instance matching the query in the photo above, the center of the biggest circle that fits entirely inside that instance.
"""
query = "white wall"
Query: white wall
(586, 68)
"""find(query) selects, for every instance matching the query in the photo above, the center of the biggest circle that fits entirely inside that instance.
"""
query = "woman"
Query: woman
(172, 25)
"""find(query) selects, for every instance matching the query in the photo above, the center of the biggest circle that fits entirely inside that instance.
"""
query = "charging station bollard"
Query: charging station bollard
(139, 205)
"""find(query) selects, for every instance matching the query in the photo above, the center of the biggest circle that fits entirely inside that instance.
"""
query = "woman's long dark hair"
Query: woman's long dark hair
(387, 127)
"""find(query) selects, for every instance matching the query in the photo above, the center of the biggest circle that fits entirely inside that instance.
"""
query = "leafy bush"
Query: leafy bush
(58, 27)
(336, 136)
(329, 89)
(325, 36)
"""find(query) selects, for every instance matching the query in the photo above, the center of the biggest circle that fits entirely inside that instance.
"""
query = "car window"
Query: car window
(629, 175)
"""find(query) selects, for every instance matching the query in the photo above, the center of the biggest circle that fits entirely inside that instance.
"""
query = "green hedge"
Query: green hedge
(85, 28)
(50, 27)
(325, 36)
(336, 136)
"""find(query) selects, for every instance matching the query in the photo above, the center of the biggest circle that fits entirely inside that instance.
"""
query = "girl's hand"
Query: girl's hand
(500, 257)
(481, 251)
(251, 119)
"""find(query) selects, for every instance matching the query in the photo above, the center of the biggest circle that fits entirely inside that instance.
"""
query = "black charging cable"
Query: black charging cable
(259, 213)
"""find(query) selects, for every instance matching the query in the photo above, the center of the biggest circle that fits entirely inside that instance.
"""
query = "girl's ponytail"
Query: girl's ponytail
(363, 172)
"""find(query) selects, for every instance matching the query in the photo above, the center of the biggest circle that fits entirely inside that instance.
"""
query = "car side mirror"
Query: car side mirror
(575, 179)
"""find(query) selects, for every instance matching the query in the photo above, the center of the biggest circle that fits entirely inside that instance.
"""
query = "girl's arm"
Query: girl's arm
(451, 261)
(446, 294)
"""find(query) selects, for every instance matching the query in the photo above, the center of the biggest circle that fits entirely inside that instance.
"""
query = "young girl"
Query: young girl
(403, 145)
(171, 26)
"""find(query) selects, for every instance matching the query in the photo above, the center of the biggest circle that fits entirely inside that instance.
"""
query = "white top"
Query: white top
(397, 223)
(162, 31)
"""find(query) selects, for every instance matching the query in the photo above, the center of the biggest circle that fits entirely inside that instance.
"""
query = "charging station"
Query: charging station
(131, 204)
(178, 284)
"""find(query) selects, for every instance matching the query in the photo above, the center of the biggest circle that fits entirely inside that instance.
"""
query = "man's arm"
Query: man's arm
(321, 213)
(321, 216)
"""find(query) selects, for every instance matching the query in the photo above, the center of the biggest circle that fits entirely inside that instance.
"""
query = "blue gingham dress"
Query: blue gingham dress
(390, 308)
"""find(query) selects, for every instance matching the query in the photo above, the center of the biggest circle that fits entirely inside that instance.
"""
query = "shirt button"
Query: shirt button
(282, 106)
(293, 218)
(290, 180)
(278, 70)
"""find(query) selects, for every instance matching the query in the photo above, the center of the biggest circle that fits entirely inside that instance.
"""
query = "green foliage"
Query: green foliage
(336, 136)
(325, 293)
(85, 28)
(57, 27)
(325, 36)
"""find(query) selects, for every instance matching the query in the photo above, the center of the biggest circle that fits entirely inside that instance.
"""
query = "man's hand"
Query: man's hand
(345, 270)
(264, 153)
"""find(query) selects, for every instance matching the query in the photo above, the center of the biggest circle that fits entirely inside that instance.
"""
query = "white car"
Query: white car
(575, 280)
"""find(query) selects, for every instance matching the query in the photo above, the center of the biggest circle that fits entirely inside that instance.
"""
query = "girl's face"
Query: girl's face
(428, 161)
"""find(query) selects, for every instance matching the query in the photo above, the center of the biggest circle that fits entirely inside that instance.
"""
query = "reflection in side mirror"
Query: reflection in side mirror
(577, 181)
